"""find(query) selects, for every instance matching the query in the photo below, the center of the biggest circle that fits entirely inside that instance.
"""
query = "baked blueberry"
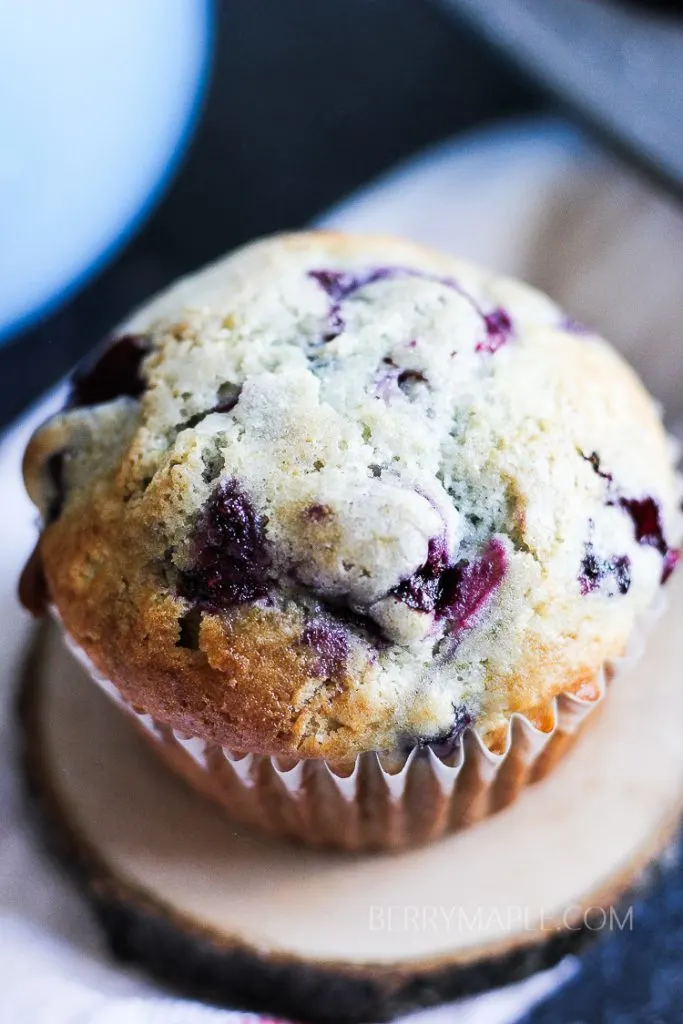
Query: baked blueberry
(599, 572)
(447, 743)
(115, 372)
(229, 560)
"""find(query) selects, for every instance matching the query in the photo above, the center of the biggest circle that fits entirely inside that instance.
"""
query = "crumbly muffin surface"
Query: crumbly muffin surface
(335, 494)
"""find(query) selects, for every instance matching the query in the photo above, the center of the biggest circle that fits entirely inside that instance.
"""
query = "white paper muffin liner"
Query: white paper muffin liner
(376, 801)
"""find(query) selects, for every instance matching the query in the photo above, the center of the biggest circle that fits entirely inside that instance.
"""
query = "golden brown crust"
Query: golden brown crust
(247, 679)
(249, 686)
(542, 716)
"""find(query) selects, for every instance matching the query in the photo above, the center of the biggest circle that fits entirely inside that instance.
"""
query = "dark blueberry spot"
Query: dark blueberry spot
(329, 642)
(437, 554)
(189, 625)
(595, 571)
(468, 586)
(229, 557)
(620, 567)
(317, 513)
(646, 517)
(455, 593)
(54, 472)
(421, 591)
(644, 513)
(591, 574)
(498, 331)
(445, 744)
(33, 589)
(115, 373)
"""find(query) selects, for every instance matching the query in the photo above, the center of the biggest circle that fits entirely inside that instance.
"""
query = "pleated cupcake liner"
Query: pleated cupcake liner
(376, 801)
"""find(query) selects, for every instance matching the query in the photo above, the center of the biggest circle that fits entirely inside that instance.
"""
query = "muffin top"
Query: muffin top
(335, 494)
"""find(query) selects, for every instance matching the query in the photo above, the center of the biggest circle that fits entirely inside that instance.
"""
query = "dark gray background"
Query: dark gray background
(310, 99)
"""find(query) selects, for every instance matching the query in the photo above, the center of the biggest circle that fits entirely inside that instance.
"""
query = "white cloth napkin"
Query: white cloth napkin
(528, 199)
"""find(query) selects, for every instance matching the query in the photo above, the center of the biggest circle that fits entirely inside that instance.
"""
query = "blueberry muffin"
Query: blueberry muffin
(335, 495)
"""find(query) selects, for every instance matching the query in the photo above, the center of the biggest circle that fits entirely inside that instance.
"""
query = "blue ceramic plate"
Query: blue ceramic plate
(97, 101)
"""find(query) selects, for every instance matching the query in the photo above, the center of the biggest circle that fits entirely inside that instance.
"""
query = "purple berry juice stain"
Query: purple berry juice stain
(421, 590)
(645, 515)
(229, 555)
(340, 285)
(498, 331)
(115, 373)
(329, 642)
(468, 587)
(457, 593)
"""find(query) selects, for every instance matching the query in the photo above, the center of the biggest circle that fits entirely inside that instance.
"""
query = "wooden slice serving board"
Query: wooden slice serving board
(234, 918)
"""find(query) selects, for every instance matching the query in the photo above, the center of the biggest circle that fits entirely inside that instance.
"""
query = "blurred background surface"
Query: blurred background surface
(307, 101)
